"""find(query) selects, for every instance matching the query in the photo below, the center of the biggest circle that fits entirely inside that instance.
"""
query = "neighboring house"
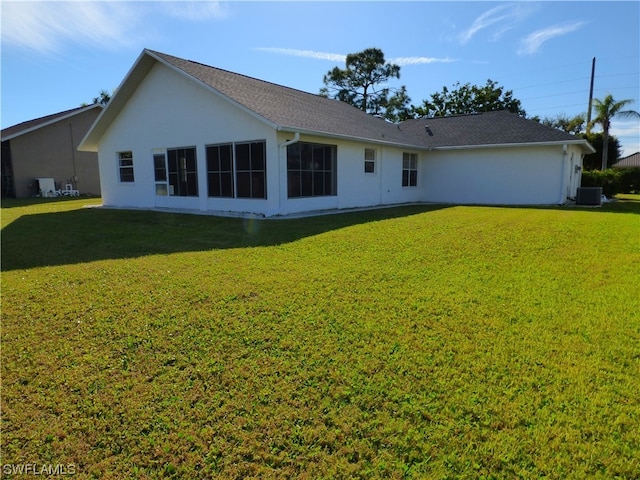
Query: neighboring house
(630, 161)
(180, 134)
(47, 148)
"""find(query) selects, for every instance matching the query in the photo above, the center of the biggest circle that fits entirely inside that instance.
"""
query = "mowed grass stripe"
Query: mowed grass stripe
(417, 342)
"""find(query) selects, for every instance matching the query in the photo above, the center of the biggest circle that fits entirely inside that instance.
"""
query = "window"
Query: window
(220, 170)
(311, 170)
(369, 160)
(247, 160)
(409, 169)
(125, 165)
(251, 170)
(183, 174)
(160, 169)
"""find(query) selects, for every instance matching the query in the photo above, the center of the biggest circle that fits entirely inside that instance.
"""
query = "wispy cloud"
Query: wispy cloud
(45, 26)
(503, 17)
(341, 58)
(402, 61)
(532, 42)
(333, 57)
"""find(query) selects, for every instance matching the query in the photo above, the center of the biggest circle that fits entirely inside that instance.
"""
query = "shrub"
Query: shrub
(629, 180)
(608, 179)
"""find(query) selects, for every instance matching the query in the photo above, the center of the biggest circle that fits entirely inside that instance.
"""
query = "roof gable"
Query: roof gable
(288, 108)
(31, 125)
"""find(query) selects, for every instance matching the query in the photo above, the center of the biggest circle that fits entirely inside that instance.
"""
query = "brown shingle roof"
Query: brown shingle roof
(632, 160)
(29, 125)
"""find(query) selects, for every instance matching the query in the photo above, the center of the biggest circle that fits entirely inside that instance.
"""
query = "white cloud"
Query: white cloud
(502, 16)
(45, 26)
(628, 133)
(402, 61)
(333, 57)
(338, 57)
(532, 43)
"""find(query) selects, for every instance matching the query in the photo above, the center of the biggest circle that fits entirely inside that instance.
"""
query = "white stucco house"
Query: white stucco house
(182, 135)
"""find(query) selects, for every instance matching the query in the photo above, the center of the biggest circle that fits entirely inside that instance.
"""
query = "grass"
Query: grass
(410, 342)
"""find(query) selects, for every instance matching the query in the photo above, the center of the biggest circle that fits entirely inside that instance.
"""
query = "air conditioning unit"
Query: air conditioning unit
(589, 196)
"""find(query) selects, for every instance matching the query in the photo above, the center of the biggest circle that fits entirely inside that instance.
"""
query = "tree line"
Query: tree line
(363, 83)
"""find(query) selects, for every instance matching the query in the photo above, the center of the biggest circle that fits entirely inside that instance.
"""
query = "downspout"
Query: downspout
(74, 179)
(563, 180)
(296, 139)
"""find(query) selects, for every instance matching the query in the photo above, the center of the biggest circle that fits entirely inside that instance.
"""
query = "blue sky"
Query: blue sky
(56, 55)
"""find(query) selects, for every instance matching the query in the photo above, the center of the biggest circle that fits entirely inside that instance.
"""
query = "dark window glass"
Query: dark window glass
(183, 175)
(293, 184)
(125, 166)
(242, 157)
(160, 168)
(219, 171)
(243, 181)
(409, 169)
(251, 170)
(311, 170)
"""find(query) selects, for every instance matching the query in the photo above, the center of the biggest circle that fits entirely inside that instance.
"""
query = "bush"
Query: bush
(609, 180)
(629, 180)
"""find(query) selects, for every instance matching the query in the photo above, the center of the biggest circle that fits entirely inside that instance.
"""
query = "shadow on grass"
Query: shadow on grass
(90, 234)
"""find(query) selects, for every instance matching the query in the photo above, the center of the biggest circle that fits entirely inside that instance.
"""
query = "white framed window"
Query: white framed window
(409, 169)
(125, 166)
(237, 170)
(369, 160)
(160, 172)
(311, 170)
(176, 172)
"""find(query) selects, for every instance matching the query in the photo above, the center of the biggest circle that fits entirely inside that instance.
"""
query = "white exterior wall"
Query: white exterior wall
(495, 176)
(171, 111)
(355, 188)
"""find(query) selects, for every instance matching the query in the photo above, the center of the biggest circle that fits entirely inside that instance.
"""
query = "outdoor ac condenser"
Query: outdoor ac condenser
(589, 196)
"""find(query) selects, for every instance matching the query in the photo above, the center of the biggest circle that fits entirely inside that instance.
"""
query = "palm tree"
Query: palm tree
(605, 110)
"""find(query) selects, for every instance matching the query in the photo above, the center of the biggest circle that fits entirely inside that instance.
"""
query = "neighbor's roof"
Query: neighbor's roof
(292, 110)
(632, 160)
(31, 125)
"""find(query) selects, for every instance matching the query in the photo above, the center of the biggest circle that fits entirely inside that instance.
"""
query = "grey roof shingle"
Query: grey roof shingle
(488, 128)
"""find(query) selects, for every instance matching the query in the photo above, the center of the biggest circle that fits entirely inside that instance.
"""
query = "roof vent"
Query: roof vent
(428, 130)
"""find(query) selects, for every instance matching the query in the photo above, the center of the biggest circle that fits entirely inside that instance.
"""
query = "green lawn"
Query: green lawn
(410, 342)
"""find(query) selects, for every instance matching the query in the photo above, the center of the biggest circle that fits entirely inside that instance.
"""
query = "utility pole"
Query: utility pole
(593, 71)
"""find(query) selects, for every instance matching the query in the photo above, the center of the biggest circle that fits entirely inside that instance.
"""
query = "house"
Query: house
(630, 161)
(47, 148)
(179, 134)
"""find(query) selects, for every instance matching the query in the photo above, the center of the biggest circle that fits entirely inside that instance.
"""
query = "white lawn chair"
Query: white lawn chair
(69, 191)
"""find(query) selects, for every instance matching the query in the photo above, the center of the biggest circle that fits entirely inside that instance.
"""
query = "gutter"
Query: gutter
(582, 143)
